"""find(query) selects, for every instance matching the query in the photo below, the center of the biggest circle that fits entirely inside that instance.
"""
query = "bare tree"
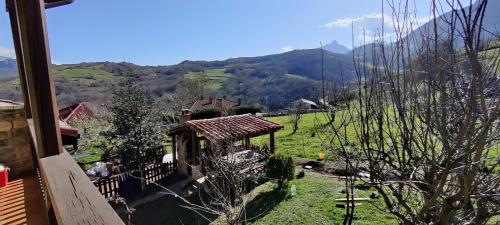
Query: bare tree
(426, 117)
(294, 115)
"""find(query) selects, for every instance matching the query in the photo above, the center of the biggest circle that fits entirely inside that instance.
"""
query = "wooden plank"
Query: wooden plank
(74, 198)
(36, 59)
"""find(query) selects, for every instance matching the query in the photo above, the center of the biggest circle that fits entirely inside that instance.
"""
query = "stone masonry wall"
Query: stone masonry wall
(15, 147)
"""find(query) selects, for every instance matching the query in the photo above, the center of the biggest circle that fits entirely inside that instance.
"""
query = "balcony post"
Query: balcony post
(34, 50)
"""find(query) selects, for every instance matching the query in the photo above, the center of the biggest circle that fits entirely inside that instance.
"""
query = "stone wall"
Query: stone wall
(15, 147)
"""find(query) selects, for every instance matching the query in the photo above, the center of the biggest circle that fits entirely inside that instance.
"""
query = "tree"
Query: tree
(134, 136)
(294, 115)
(426, 118)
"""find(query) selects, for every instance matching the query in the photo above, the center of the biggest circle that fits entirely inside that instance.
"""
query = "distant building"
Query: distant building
(74, 112)
(304, 104)
(223, 104)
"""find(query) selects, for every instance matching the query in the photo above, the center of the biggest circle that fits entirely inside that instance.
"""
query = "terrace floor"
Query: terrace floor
(21, 203)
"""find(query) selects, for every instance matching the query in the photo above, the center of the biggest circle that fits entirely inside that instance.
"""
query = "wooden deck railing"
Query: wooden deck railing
(71, 198)
(110, 186)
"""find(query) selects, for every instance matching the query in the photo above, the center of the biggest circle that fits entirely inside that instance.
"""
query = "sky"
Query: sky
(165, 32)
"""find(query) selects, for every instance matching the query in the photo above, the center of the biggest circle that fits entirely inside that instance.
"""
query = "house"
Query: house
(304, 104)
(46, 185)
(193, 137)
(71, 113)
(223, 104)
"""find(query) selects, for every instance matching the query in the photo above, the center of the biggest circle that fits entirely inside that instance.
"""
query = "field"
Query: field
(216, 77)
(311, 138)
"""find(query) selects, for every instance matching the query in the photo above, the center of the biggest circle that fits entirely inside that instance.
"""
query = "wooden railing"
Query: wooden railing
(112, 185)
(71, 198)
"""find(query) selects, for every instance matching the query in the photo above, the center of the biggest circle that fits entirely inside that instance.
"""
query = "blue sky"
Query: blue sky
(163, 32)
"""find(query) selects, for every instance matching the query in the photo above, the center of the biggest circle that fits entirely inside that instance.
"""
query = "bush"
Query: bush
(205, 114)
(280, 168)
(244, 109)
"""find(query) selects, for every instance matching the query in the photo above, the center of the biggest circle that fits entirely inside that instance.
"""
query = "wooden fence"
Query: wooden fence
(124, 184)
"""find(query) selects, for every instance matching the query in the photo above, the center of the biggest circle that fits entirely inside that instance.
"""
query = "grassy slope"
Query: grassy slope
(302, 143)
(215, 76)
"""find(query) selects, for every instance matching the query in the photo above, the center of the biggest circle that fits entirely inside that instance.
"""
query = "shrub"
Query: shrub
(205, 114)
(244, 109)
(280, 168)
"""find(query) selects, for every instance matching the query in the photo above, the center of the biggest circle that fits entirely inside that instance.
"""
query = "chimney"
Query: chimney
(185, 116)
(239, 101)
(209, 100)
(224, 97)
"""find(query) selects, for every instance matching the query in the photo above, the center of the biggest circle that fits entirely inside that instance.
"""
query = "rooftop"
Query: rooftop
(232, 127)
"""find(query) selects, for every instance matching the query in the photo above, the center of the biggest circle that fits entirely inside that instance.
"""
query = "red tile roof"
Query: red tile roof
(212, 104)
(75, 111)
(232, 127)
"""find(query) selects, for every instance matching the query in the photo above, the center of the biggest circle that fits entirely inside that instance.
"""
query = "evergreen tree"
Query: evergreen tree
(135, 134)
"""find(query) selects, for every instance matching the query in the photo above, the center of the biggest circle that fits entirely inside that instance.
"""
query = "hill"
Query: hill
(271, 81)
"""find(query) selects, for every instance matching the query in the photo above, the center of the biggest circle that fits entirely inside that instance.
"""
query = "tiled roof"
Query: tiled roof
(75, 111)
(232, 127)
(212, 103)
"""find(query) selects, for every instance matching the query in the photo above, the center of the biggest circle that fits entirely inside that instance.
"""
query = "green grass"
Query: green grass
(83, 73)
(216, 77)
(309, 140)
(313, 204)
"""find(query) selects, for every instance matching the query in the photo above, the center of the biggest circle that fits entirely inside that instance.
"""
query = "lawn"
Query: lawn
(314, 203)
(310, 139)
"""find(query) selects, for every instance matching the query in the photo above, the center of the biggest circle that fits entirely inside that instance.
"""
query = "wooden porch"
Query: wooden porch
(194, 137)
(21, 202)
(56, 191)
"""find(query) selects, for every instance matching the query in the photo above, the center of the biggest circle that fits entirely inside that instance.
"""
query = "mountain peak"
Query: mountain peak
(335, 47)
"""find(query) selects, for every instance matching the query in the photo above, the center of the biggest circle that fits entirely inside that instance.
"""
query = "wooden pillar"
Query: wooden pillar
(247, 142)
(37, 68)
(194, 148)
(271, 142)
(174, 149)
(19, 56)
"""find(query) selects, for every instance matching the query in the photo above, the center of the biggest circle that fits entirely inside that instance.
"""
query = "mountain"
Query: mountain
(335, 47)
(8, 67)
(271, 81)
(491, 29)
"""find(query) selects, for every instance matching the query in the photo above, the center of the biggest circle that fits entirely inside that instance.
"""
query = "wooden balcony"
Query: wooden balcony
(57, 191)
(22, 203)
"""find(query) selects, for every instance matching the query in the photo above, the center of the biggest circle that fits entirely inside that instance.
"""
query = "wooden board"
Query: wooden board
(74, 198)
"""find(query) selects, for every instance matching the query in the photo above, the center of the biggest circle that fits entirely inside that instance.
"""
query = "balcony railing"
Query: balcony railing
(70, 196)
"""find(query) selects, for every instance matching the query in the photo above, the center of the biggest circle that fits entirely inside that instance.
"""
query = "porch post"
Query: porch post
(194, 147)
(271, 142)
(247, 142)
(37, 68)
(174, 149)
(19, 56)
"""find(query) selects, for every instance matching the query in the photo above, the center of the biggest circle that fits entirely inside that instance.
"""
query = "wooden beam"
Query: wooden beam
(247, 142)
(74, 197)
(19, 56)
(174, 149)
(193, 148)
(271, 142)
(37, 64)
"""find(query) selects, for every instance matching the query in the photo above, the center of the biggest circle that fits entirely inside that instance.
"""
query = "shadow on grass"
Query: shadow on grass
(264, 203)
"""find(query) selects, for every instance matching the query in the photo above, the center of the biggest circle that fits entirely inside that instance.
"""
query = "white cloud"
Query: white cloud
(347, 22)
(374, 20)
(7, 52)
(286, 49)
